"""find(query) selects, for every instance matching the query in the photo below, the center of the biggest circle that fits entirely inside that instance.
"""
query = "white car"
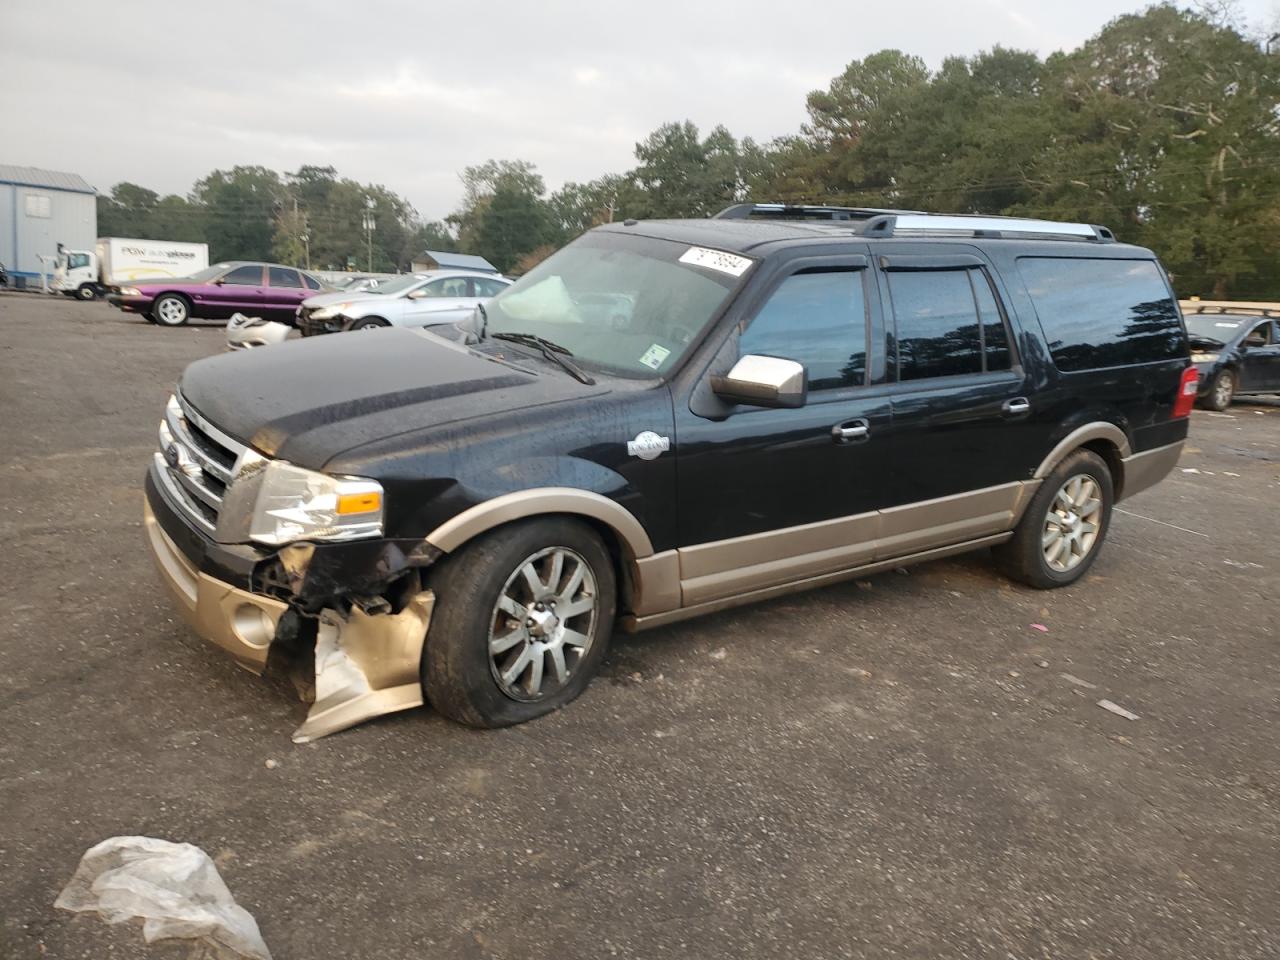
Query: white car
(416, 300)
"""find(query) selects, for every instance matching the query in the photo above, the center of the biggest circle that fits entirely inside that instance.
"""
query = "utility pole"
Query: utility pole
(368, 233)
(1270, 40)
(306, 248)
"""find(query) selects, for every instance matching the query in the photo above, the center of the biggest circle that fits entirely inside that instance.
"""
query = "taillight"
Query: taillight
(1186, 398)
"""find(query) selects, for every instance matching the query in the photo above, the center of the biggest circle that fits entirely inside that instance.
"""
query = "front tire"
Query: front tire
(170, 310)
(1221, 391)
(521, 624)
(369, 323)
(87, 291)
(1059, 536)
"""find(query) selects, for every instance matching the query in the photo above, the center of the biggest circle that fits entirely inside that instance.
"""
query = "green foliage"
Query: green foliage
(1165, 127)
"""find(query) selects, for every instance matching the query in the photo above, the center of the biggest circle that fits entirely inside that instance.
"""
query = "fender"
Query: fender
(1098, 430)
(484, 516)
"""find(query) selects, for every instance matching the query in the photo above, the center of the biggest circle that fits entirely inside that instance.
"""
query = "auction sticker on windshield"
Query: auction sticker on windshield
(717, 260)
(654, 356)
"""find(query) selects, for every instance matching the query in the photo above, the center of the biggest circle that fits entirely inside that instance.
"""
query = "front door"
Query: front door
(771, 495)
(240, 290)
(441, 301)
(1260, 365)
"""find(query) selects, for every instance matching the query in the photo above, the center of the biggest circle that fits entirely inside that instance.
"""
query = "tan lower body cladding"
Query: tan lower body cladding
(688, 581)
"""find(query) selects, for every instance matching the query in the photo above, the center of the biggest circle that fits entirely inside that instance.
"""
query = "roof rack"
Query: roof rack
(966, 225)
(1239, 307)
(800, 211)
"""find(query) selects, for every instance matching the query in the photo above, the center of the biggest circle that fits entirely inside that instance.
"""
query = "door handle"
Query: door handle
(1017, 406)
(850, 430)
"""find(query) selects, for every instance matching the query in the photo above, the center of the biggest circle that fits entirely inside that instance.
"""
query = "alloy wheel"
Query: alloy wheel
(172, 311)
(1072, 523)
(543, 623)
(1223, 388)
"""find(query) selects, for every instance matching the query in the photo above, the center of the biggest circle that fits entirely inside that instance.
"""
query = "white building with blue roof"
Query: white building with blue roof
(40, 209)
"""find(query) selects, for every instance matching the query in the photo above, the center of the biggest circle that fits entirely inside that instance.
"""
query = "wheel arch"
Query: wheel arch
(1101, 437)
(617, 519)
(624, 536)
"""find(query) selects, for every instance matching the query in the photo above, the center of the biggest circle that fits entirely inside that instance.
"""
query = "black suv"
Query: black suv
(661, 420)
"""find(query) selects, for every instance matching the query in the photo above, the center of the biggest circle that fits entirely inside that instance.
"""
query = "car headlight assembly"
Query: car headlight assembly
(298, 504)
(130, 292)
(329, 312)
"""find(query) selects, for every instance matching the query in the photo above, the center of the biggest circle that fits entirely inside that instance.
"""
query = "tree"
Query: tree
(240, 205)
(681, 175)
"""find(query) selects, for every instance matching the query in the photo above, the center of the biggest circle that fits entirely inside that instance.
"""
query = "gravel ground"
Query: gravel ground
(900, 767)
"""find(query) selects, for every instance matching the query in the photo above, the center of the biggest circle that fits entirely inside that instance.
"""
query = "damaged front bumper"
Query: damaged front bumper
(367, 651)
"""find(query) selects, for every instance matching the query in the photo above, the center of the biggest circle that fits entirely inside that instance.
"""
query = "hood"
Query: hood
(341, 296)
(309, 400)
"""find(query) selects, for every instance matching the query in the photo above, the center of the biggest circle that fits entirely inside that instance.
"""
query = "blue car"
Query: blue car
(1236, 348)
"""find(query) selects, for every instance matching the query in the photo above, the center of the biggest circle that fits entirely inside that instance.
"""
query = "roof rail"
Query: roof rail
(1239, 307)
(800, 211)
(966, 225)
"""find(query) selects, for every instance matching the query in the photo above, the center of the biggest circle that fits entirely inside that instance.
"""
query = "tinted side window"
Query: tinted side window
(280, 277)
(818, 319)
(434, 289)
(248, 276)
(995, 338)
(311, 282)
(1103, 313)
(937, 324)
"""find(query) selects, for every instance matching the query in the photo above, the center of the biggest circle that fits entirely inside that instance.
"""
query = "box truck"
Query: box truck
(116, 260)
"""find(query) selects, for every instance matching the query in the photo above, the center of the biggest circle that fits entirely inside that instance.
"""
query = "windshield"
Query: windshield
(1216, 327)
(398, 285)
(620, 302)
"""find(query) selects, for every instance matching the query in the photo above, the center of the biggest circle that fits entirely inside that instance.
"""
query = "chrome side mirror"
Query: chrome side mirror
(764, 382)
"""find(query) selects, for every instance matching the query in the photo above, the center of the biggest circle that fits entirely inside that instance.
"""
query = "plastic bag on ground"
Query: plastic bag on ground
(174, 888)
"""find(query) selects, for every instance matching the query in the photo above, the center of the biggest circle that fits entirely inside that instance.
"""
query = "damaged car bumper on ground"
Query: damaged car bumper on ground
(356, 609)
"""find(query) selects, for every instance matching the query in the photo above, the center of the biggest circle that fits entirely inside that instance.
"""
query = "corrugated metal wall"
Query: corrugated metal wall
(34, 220)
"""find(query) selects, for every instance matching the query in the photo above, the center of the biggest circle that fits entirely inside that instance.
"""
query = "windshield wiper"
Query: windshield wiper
(552, 351)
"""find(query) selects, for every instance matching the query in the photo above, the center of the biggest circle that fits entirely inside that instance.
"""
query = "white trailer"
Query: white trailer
(118, 260)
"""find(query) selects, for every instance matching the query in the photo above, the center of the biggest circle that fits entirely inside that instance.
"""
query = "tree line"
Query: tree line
(1165, 126)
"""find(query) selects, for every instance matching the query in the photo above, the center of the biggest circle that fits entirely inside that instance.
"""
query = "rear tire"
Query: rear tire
(1221, 391)
(171, 310)
(1063, 528)
(497, 651)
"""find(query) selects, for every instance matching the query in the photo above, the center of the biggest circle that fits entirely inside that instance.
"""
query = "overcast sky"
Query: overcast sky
(408, 94)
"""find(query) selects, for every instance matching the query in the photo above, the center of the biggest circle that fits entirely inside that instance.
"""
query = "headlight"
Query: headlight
(297, 504)
(130, 292)
(327, 313)
(1204, 358)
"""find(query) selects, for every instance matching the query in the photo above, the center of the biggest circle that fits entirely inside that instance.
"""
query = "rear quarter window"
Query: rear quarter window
(1103, 313)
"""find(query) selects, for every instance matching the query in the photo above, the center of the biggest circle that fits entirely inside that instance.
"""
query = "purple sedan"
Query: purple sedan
(267, 290)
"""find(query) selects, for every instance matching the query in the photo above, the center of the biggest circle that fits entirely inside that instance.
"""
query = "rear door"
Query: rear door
(285, 291)
(963, 414)
(1260, 364)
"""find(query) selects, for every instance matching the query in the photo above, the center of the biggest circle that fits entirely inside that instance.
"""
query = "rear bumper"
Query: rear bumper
(1144, 470)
